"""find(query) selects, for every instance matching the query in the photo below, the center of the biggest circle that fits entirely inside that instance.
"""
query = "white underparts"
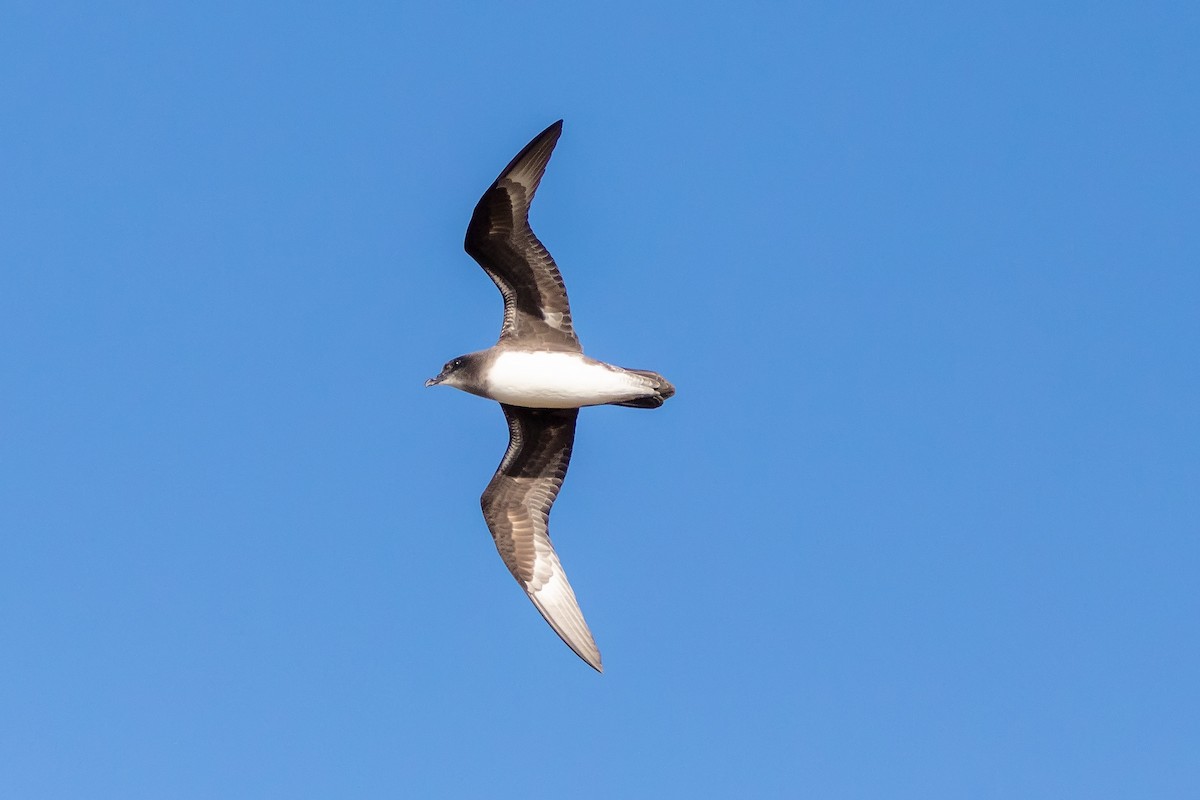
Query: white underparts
(560, 380)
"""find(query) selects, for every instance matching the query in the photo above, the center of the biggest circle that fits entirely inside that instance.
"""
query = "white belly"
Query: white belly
(558, 380)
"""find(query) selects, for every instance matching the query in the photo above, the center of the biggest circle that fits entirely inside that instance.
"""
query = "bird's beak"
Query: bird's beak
(433, 381)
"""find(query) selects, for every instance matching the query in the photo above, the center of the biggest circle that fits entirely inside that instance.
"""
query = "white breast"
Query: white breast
(558, 380)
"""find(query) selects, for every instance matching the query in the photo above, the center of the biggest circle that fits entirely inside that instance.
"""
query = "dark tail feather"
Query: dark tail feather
(653, 401)
(661, 387)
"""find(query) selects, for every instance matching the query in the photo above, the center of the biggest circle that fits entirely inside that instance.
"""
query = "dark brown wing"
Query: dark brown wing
(536, 312)
(516, 505)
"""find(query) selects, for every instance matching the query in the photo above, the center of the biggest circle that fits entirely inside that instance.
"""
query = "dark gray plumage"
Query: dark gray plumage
(536, 311)
(516, 506)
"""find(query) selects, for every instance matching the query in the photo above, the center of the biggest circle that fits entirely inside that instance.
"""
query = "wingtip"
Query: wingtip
(588, 652)
(554, 130)
(592, 658)
(561, 610)
(531, 162)
(589, 655)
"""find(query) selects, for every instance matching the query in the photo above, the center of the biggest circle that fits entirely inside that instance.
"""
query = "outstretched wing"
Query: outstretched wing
(516, 505)
(536, 311)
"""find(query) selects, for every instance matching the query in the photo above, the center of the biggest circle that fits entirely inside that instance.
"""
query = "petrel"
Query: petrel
(538, 373)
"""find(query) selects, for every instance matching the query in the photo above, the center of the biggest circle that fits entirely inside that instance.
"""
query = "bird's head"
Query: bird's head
(453, 373)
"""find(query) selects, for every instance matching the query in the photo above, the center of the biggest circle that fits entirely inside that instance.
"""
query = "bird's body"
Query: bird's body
(560, 380)
(538, 373)
(553, 379)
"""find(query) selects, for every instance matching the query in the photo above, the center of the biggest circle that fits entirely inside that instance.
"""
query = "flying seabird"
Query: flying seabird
(538, 373)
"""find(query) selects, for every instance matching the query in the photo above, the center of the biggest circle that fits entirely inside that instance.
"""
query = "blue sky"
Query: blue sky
(922, 520)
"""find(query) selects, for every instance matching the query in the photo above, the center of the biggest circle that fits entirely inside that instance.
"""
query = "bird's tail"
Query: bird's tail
(659, 389)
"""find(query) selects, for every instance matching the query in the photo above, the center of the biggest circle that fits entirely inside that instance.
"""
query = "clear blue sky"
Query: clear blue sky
(922, 522)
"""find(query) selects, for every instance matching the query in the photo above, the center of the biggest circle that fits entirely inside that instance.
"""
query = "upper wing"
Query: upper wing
(516, 505)
(499, 237)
